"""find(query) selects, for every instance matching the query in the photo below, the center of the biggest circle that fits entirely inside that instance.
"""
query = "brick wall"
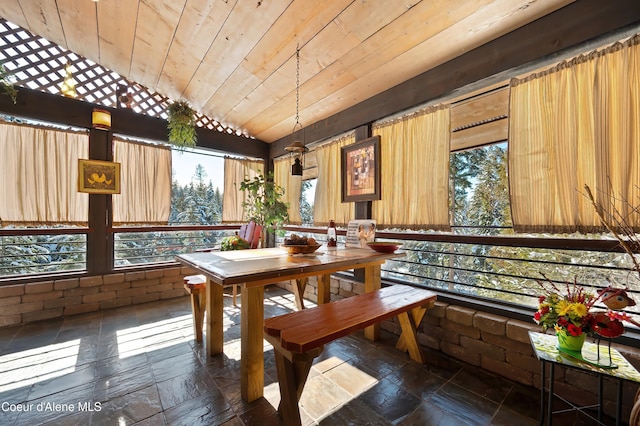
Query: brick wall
(497, 344)
(24, 303)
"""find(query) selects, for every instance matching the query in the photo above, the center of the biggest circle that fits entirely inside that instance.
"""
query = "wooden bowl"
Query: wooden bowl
(384, 247)
(301, 249)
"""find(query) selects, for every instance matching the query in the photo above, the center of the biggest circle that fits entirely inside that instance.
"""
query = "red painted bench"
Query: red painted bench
(299, 337)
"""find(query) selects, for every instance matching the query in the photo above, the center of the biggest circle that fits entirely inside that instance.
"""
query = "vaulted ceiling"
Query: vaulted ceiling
(235, 60)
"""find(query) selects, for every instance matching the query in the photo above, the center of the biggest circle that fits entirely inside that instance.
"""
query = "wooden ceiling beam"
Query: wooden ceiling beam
(572, 25)
(36, 105)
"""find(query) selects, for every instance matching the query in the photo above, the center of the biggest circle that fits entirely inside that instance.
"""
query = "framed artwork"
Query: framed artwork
(361, 170)
(98, 177)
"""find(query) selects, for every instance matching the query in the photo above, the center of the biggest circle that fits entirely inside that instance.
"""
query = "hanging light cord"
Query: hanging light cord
(297, 88)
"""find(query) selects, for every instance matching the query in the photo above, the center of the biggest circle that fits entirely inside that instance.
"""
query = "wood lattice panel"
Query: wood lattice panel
(40, 65)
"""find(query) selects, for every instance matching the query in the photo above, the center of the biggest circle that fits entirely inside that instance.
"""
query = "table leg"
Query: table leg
(619, 403)
(251, 345)
(600, 398)
(550, 404)
(372, 283)
(324, 289)
(214, 333)
(542, 385)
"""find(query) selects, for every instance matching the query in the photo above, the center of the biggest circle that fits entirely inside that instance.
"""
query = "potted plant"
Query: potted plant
(6, 86)
(182, 125)
(264, 204)
(567, 310)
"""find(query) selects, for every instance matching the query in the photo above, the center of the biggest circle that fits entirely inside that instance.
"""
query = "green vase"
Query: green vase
(567, 342)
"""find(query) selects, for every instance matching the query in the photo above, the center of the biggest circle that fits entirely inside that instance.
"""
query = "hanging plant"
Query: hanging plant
(6, 86)
(182, 125)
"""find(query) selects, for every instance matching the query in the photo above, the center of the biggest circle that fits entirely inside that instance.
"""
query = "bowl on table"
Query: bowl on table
(384, 246)
(300, 248)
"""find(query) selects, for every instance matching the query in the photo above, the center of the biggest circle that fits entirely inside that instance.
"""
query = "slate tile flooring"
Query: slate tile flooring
(140, 365)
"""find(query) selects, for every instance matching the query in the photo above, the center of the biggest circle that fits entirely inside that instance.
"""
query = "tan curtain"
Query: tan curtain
(145, 186)
(235, 171)
(415, 171)
(328, 203)
(39, 176)
(576, 124)
(292, 186)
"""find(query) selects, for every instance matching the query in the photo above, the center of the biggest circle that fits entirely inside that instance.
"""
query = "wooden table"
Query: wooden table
(254, 269)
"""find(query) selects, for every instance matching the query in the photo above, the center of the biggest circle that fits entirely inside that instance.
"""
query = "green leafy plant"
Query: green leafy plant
(234, 242)
(182, 125)
(264, 203)
(6, 86)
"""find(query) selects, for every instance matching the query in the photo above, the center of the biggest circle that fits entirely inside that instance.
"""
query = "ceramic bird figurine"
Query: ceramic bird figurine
(607, 326)
(615, 298)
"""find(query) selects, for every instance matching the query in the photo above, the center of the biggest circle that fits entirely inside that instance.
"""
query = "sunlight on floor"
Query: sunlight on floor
(154, 335)
(25, 368)
(337, 384)
(286, 301)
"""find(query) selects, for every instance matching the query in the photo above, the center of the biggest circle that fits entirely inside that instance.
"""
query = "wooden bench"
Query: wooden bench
(196, 287)
(196, 284)
(299, 337)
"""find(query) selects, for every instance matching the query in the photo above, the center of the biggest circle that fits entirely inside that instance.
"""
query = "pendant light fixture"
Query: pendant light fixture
(297, 147)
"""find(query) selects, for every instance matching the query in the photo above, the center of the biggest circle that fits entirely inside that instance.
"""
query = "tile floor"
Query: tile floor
(140, 365)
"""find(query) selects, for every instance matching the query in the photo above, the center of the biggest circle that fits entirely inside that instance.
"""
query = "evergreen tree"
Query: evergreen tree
(196, 203)
(306, 208)
(463, 169)
(489, 204)
(216, 202)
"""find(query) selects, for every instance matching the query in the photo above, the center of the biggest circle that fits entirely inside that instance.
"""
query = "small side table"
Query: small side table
(544, 346)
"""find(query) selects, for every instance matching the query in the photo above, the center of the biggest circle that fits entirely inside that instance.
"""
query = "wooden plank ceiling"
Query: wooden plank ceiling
(234, 60)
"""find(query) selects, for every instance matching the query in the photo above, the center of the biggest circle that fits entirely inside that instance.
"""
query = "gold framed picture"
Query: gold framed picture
(98, 177)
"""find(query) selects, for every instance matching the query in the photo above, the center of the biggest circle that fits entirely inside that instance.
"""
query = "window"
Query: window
(307, 196)
(479, 190)
(196, 189)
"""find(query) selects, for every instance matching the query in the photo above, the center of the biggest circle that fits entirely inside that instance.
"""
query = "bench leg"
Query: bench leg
(408, 341)
(298, 291)
(324, 289)
(198, 306)
(293, 371)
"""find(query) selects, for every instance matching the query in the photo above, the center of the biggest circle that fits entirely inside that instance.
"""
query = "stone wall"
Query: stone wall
(24, 303)
(497, 344)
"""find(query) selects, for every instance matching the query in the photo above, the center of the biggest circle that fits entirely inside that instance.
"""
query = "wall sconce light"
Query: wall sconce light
(101, 119)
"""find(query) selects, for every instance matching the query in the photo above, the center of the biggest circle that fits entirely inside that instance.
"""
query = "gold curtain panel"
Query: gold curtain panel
(39, 176)
(573, 125)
